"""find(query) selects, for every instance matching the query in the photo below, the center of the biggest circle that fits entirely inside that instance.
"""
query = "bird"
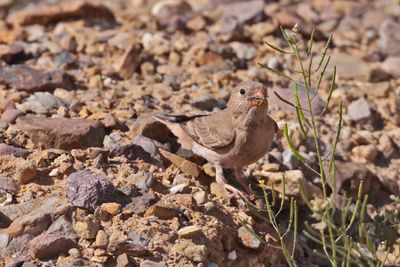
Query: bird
(234, 137)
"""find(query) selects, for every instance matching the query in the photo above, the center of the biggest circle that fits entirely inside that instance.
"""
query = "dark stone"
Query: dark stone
(48, 14)
(141, 203)
(88, 190)
(14, 151)
(25, 78)
(62, 133)
(49, 245)
(141, 148)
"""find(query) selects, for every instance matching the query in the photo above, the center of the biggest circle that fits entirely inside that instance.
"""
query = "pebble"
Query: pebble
(101, 240)
(26, 172)
(11, 115)
(247, 238)
(41, 103)
(190, 250)
(367, 152)
(88, 228)
(189, 231)
(112, 208)
(359, 110)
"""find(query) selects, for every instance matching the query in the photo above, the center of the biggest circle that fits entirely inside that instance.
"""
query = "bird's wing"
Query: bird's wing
(212, 131)
(274, 123)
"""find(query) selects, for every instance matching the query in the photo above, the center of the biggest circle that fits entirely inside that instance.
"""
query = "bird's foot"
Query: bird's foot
(237, 193)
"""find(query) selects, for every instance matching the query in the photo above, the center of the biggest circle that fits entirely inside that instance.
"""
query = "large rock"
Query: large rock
(41, 103)
(142, 148)
(27, 220)
(243, 11)
(389, 34)
(46, 246)
(77, 9)
(25, 78)
(392, 66)
(7, 150)
(88, 190)
(147, 126)
(62, 133)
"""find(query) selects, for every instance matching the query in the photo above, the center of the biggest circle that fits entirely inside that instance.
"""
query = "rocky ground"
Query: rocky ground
(88, 178)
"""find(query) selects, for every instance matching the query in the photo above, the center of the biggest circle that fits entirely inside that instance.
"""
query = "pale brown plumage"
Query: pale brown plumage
(234, 137)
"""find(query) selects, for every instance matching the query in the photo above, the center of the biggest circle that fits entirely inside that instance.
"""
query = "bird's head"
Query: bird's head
(248, 96)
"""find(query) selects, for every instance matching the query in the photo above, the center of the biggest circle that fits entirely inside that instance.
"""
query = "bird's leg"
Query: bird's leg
(219, 178)
(239, 174)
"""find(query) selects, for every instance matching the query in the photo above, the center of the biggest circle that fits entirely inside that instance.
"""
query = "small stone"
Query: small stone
(368, 152)
(190, 250)
(7, 150)
(182, 164)
(101, 239)
(350, 67)
(88, 190)
(26, 172)
(141, 180)
(11, 115)
(247, 238)
(46, 246)
(386, 146)
(130, 61)
(189, 231)
(62, 133)
(141, 148)
(112, 208)
(243, 11)
(389, 36)
(196, 24)
(200, 196)
(41, 103)
(290, 160)
(123, 260)
(232, 255)
(141, 203)
(147, 263)
(74, 252)
(88, 228)
(359, 110)
(149, 127)
(9, 185)
(219, 190)
(164, 213)
(392, 66)
(179, 188)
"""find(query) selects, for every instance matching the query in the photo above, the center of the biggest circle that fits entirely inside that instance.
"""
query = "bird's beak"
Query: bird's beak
(258, 98)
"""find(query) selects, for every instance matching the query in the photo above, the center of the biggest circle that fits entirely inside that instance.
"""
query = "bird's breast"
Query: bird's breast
(252, 143)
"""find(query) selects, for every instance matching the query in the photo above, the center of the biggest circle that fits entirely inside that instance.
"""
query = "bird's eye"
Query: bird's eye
(242, 91)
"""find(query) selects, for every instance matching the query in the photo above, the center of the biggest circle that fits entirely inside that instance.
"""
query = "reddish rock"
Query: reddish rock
(130, 61)
(88, 190)
(14, 151)
(10, 115)
(141, 203)
(49, 245)
(25, 78)
(62, 133)
(78, 9)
